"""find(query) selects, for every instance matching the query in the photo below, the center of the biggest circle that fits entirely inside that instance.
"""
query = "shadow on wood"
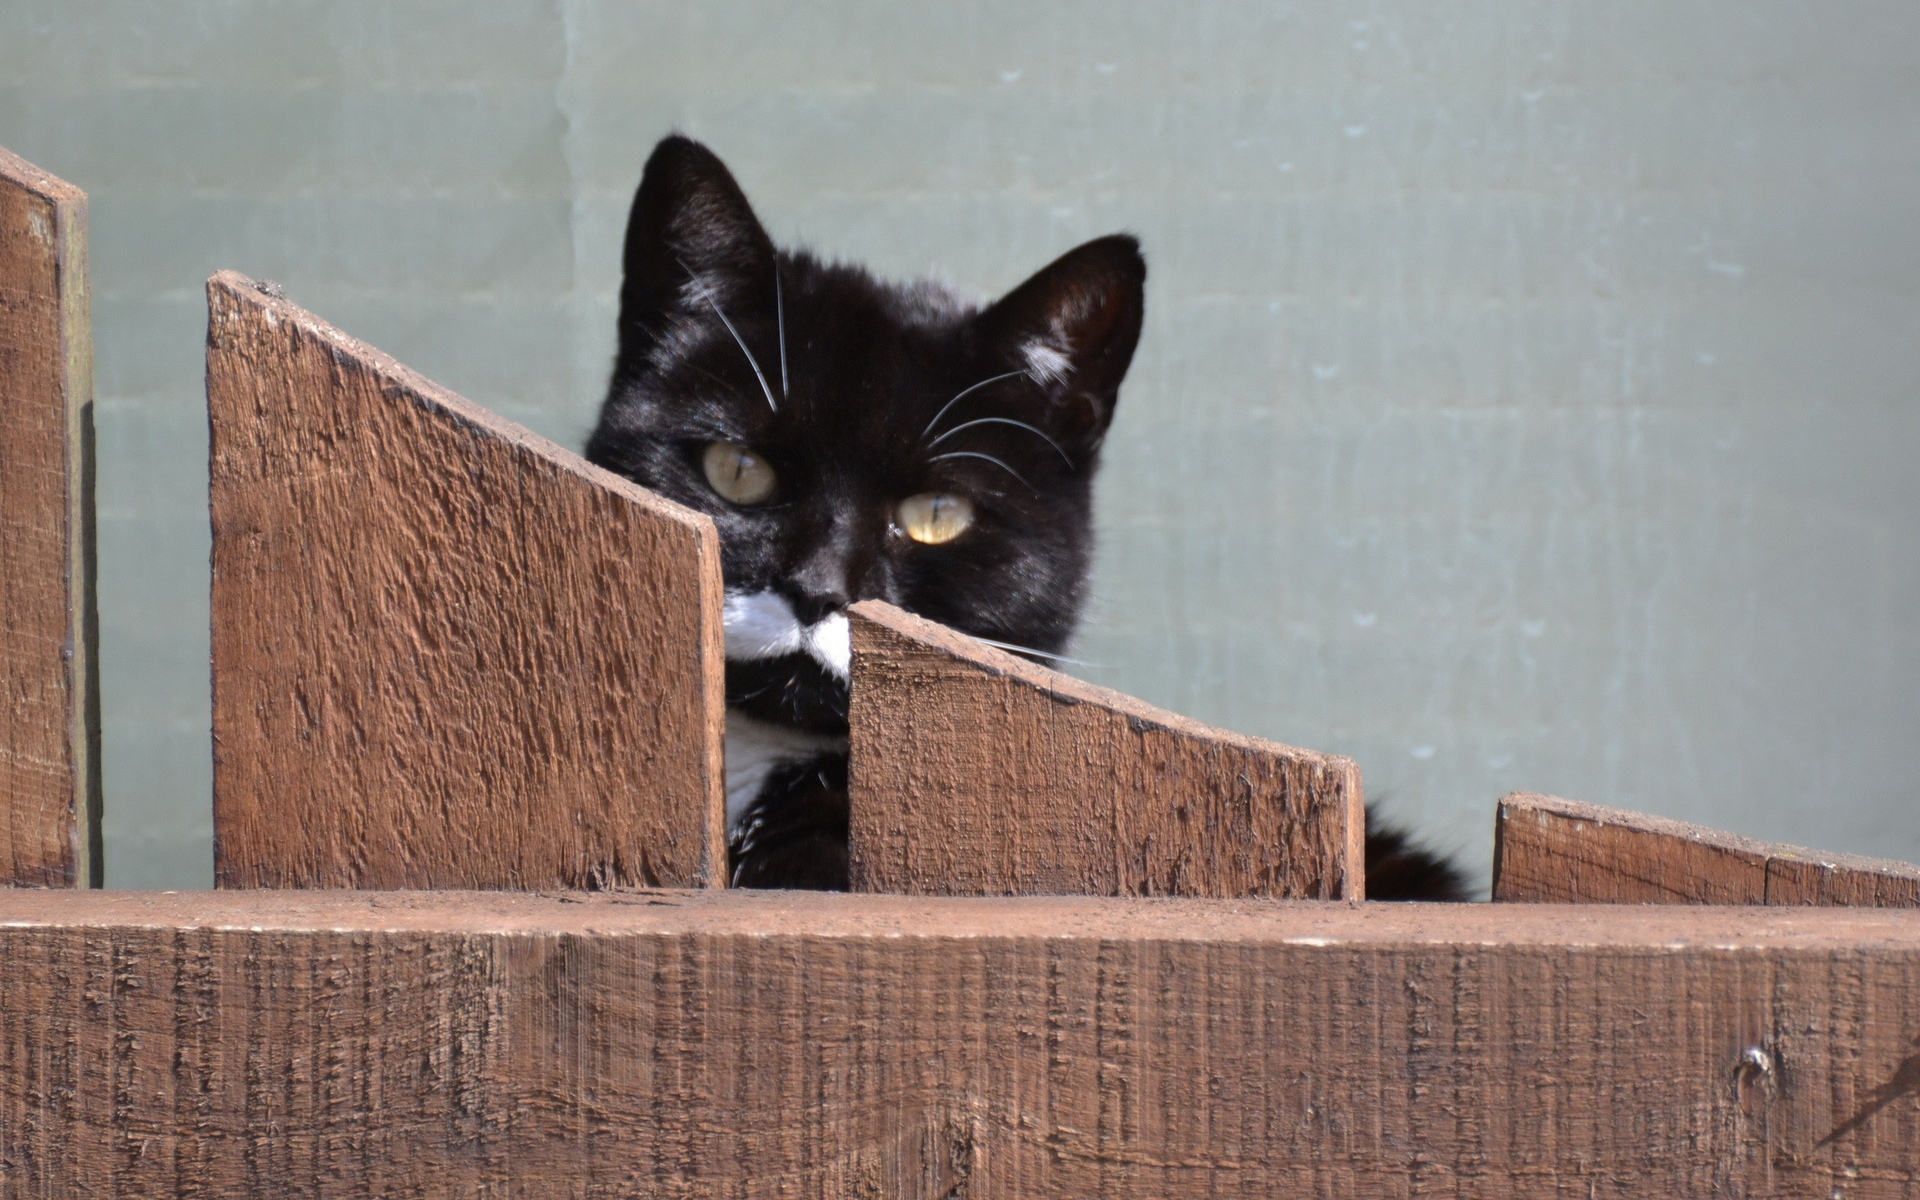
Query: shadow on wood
(782, 1044)
(974, 772)
(1561, 851)
(49, 690)
(446, 652)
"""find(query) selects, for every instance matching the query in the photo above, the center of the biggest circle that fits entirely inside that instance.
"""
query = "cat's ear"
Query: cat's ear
(691, 235)
(1072, 328)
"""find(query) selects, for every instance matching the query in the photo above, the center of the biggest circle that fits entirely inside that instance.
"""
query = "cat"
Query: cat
(854, 439)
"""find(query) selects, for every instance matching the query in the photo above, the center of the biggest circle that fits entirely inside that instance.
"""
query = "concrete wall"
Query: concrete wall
(1528, 396)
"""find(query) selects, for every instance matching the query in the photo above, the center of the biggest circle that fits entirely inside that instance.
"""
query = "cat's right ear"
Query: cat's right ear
(1072, 328)
(691, 237)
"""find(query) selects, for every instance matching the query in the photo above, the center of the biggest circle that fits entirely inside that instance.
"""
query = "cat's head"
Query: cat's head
(854, 439)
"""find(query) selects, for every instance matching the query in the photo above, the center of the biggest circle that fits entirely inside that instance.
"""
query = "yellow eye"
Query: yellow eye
(738, 474)
(931, 517)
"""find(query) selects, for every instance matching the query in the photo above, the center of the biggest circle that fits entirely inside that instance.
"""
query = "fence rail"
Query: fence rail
(768, 1044)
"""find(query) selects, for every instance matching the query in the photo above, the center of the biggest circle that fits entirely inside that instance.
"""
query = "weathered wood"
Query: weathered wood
(49, 692)
(742, 1044)
(446, 652)
(978, 773)
(1562, 851)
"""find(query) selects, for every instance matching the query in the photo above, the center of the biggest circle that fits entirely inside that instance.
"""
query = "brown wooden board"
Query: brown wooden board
(1562, 851)
(446, 652)
(784, 1044)
(49, 694)
(978, 773)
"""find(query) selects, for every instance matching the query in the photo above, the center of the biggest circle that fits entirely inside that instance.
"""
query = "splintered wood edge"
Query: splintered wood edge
(758, 915)
(52, 188)
(238, 291)
(69, 207)
(1519, 806)
(230, 293)
(993, 661)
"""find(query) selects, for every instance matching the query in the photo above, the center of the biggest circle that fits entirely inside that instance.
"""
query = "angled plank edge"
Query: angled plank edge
(1550, 850)
(446, 651)
(976, 772)
(49, 662)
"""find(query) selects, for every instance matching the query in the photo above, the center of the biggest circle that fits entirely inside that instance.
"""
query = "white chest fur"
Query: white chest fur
(756, 749)
(762, 625)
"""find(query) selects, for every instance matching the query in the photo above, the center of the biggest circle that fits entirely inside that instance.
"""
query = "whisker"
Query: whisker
(780, 323)
(1004, 421)
(751, 360)
(1030, 650)
(990, 458)
(964, 393)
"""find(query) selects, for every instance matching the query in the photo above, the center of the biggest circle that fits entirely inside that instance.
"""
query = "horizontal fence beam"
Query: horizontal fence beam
(446, 652)
(1550, 850)
(49, 693)
(974, 772)
(770, 1044)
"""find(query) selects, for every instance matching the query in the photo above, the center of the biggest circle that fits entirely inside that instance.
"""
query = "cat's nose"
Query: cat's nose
(818, 587)
(811, 607)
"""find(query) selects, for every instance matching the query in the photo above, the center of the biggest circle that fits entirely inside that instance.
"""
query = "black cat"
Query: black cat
(856, 440)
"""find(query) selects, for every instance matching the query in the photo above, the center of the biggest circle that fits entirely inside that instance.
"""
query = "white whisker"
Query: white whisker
(1004, 421)
(751, 361)
(780, 323)
(1030, 650)
(988, 457)
(964, 393)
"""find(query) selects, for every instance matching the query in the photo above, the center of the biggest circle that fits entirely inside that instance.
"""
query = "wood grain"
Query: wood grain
(748, 1045)
(49, 693)
(1561, 851)
(978, 773)
(446, 652)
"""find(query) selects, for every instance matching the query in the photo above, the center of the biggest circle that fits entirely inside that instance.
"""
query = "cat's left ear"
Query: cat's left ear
(692, 239)
(1072, 328)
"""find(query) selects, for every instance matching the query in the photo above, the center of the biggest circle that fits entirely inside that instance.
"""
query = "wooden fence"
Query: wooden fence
(448, 654)
(49, 707)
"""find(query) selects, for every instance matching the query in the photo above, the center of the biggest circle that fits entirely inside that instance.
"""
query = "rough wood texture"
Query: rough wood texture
(741, 1044)
(49, 697)
(977, 773)
(446, 652)
(1561, 851)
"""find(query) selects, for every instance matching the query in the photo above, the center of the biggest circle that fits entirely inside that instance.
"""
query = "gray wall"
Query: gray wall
(1527, 397)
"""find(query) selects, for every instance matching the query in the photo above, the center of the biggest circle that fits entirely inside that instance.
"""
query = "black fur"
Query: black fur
(1399, 870)
(850, 406)
(796, 837)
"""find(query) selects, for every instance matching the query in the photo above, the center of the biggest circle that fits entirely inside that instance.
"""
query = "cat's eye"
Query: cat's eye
(934, 517)
(738, 474)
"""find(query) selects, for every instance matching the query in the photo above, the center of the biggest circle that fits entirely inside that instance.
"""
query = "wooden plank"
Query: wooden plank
(975, 772)
(446, 652)
(1549, 850)
(741, 1044)
(49, 675)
